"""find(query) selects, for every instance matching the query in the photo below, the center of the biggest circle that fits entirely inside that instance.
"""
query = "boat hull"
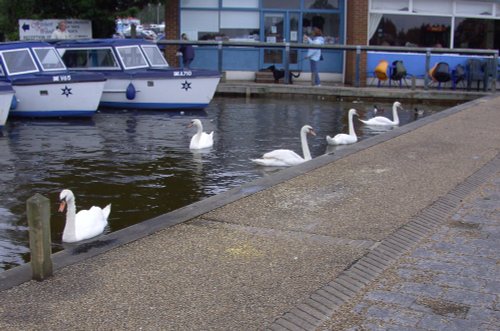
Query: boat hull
(5, 103)
(66, 99)
(160, 93)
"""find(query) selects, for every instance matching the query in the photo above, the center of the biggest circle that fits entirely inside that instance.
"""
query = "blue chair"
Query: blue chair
(476, 73)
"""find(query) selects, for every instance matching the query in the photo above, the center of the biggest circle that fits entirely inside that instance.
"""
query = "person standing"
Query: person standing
(187, 52)
(314, 55)
(60, 32)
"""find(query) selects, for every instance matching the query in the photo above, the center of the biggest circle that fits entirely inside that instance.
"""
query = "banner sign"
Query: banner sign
(42, 29)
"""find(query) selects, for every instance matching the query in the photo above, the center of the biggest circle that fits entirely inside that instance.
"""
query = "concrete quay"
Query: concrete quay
(399, 231)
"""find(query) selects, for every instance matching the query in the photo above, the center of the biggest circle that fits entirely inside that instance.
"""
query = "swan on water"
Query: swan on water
(201, 139)
(86, 223)
(381, 120)
(286, 157)
(342, 138)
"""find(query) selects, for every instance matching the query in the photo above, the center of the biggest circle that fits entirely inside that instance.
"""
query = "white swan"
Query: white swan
(86, 223)
(381, 120)
(342, 138)
(286, 157)
(201, 139)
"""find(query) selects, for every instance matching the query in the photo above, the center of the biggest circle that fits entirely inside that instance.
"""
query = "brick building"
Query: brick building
(421, 23)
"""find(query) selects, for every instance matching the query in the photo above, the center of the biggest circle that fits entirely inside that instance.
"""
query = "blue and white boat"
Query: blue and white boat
(6, 95)
(138, 76)
(43, 85)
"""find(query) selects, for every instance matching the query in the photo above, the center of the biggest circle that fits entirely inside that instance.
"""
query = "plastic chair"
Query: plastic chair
(475, 73)
(398, 73)
(440, 73)
(458, 76)
(381, 72)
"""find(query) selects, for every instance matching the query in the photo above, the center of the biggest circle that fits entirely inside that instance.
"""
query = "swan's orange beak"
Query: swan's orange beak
(62, 206)
(189, 125)
(312, 133)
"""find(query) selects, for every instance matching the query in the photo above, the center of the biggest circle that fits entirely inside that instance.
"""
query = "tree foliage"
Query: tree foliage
(102, 13)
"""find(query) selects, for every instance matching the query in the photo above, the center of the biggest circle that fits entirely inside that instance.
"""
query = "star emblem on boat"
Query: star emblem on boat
(186, 85)
(66, 91)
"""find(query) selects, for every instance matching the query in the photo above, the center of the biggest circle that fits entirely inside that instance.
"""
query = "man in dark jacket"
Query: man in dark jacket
(187, 52)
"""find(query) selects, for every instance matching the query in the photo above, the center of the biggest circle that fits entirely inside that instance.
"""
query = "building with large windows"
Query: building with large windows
(420, 23)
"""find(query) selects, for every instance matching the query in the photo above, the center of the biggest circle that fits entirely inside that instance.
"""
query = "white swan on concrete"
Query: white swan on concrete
(82, 225)
(381, 120)
(342, 138)
(286, 157)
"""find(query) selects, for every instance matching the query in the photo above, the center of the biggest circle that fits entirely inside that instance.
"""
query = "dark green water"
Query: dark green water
(140, 161)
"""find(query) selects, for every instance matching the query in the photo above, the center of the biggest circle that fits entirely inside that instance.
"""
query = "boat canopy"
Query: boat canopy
(29, 57)
(111, 54)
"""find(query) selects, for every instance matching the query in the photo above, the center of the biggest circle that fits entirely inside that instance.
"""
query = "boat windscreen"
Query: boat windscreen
(154, 56)
(132, 57)
(49, 59)
(18, 61)
(90, 58)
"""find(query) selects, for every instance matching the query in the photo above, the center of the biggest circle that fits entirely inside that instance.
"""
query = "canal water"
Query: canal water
(140, 161)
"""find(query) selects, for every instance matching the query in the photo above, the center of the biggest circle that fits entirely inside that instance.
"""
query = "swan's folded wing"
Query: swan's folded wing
(90, 222)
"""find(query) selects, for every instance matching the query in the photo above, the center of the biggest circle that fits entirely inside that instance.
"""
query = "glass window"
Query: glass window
(200, 24)
(399, 5)
(281, 4)
(19, 61)
(497, 9)
(409, 30)
(2, 73)
(154, 56)
(274, 27)
(242, 26)
(240, 3)
(477, 33)
(328, 23)
(49, 59)
(101, 58)
(132, 57)
(433, 6)
(315, 4)
(199, 3)
(473, 8)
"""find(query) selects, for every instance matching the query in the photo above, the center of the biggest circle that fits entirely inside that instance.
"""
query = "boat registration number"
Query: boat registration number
(61, 78)
(182, 73)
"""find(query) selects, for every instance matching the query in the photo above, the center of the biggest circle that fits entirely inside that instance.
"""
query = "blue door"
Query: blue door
(279, 27)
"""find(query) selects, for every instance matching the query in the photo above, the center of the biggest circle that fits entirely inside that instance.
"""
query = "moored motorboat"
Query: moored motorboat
(43, 86)
(6, 95)
(138, 76)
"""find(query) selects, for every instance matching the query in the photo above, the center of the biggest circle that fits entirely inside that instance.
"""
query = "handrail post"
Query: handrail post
(38, 212)
(287, 63)
(427, 67)
(358, 61)
(495, 73)
(219, 56)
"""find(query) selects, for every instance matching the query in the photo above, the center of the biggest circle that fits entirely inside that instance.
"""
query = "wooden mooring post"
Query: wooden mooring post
(38, 211)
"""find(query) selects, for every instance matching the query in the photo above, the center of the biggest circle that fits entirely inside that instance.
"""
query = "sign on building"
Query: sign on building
(42, 29)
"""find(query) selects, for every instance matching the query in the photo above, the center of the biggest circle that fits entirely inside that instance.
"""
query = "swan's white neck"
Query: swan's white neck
(199, 131)
(351, 125)
(395, 117)
(305, 147)
(70, 227)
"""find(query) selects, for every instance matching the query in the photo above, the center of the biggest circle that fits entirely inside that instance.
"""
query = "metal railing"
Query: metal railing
(287, 46)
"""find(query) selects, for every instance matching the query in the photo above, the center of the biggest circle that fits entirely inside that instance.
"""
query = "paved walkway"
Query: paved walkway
(450, 281)
(316, 246)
